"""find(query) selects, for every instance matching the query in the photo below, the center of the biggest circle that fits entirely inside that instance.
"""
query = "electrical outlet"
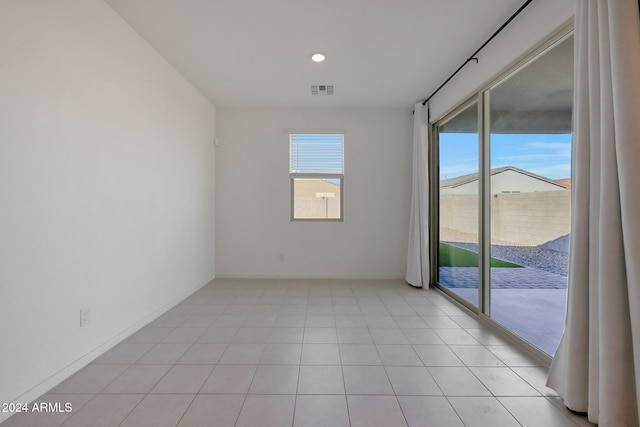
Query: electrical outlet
(84, 317)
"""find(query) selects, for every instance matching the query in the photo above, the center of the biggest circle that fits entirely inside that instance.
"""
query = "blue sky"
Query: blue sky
(548, 155)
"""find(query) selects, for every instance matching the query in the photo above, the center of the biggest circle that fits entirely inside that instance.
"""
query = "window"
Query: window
(316, 174)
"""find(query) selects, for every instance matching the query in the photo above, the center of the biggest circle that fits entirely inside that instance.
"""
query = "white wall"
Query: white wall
(106, 186)
(254, 235)
(535, 24)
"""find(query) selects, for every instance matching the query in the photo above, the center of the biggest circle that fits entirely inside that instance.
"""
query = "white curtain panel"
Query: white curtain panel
(597, 366)
(418, 252)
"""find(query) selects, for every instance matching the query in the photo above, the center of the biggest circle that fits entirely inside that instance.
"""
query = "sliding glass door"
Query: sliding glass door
(517, 191)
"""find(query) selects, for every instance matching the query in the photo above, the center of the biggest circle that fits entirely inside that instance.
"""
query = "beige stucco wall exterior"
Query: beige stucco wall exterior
(316, 198)
(523, 219)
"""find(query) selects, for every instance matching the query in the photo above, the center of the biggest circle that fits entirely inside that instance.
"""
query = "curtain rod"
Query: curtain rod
(473, 55)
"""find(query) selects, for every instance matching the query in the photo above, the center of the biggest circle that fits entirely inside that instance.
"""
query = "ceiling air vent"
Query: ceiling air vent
(322, 90)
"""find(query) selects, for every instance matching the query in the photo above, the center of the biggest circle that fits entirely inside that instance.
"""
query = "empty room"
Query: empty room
(337, 213)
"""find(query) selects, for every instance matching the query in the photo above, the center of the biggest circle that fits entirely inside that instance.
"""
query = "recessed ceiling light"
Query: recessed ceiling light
(317, 57)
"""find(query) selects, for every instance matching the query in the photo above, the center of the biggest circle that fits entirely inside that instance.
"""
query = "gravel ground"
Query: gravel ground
(529, 256)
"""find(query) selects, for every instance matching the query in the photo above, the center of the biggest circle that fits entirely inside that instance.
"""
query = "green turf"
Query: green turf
(452, 256)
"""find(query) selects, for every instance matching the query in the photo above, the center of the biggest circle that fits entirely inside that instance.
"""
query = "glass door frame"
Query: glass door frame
(482, 98)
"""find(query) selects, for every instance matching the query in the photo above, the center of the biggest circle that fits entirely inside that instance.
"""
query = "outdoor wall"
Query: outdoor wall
(530, 219)
(106, 183)
(459, 217)
(525, 219)
(316, 198)
(254, 234)
(317, 207)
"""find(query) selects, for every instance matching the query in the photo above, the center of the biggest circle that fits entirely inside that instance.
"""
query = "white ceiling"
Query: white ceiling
(380, 53)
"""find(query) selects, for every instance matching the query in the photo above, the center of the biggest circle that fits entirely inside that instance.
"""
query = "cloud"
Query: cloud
(535, 157)
(551, 159)
(549, 145)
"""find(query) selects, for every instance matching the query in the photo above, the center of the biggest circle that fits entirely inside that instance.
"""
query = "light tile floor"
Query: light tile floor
(309, 353)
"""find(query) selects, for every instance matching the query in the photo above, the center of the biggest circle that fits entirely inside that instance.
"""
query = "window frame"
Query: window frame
(293, 176)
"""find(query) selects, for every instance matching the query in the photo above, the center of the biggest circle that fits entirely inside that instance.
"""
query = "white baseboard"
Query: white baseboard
(66, 372)
(317, 276)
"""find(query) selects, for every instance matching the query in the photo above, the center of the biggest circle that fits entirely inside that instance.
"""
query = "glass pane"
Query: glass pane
(531, 197)
(316, 198)
(458, 245)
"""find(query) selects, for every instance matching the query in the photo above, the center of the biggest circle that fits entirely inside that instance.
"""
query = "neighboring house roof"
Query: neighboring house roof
(465, 179)
(564, 181)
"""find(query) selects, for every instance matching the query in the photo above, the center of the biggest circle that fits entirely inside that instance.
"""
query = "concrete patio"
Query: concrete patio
(527, 301)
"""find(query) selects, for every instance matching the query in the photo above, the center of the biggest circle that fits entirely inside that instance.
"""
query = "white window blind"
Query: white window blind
(316, 154)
